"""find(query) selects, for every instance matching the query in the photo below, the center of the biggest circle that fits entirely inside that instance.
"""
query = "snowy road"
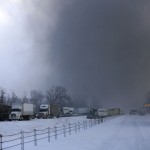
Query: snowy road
(121, 133)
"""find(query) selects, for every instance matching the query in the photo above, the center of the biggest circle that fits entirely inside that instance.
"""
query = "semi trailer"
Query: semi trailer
(4, 112)
(49, 111)
(22, 111)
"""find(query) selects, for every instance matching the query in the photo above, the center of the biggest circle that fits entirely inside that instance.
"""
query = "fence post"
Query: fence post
(101, 120)
(79, 126)
(64, 130)
(35, 139)
(48, 134)
(89, 123)
(95, 121)
(84, 125)
(69, 129)
(75, 128)
(22, 140)
(1, 136)
(55, 133)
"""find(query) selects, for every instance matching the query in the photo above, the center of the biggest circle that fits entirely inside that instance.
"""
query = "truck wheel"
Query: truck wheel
(20, 118)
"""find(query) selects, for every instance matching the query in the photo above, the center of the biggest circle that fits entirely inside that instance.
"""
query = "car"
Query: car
(134, 111)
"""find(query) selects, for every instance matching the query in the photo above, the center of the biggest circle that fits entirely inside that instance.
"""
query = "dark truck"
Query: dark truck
(5, 110)
(92, 114)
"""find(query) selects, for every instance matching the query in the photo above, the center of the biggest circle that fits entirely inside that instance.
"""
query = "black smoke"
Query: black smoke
(99, 49)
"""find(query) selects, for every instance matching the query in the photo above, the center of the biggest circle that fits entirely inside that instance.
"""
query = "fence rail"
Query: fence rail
(22, 138)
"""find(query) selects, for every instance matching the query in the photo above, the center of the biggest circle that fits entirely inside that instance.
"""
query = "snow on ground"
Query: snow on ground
(12, 127)
(127, 132)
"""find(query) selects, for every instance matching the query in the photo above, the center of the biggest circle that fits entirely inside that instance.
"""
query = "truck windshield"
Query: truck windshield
(42, 110)
(19, 110)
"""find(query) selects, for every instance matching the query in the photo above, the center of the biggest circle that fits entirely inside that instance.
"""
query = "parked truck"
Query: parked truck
(49, 111)
(92, 114)
(83, 111)
(67, 111)
(22, 111)
(4, 112)
(113, 111)
(101, 113)
(108, 112)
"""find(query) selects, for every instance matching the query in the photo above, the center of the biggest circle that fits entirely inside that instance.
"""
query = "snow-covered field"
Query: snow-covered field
(120, 133)
(12, 127)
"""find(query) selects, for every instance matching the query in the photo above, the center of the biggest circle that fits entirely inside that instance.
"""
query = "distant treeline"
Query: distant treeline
(55, 95)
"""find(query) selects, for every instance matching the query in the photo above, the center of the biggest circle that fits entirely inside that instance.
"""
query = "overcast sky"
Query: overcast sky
(95, 48)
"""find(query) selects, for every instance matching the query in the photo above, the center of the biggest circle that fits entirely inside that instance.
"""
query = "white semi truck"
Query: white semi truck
(102, 112)
(49, 111)
(108, 112)
(67, 111)
(22, 111)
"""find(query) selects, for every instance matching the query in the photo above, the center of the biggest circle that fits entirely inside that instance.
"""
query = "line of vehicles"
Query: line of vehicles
(141, 111)
(101, 113)
(26, 111)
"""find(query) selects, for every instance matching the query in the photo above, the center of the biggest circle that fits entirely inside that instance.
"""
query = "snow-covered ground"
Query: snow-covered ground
(12, 127)
(120, 133)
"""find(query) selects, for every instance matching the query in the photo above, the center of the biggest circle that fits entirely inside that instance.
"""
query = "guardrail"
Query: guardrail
(22, 138)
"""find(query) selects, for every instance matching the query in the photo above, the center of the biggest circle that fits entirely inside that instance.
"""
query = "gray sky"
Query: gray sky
(95, 48)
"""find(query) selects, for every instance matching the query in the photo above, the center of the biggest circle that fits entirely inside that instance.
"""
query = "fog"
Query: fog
(96, 49)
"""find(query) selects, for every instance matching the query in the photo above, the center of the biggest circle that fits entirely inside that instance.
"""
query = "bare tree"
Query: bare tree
(58, 95)
(2, 96)
(37, 98)
(13, 99)
(25, 99)
(8, 100)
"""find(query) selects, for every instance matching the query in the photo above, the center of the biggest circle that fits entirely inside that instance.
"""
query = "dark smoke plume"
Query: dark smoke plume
(95, 48)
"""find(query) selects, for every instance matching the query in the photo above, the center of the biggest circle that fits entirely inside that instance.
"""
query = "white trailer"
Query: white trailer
(83, 111)
(108, 112)
(102, 112)
(113, 111)
(22, 111)
(67, 111)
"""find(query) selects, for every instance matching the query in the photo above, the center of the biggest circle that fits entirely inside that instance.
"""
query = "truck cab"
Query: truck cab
(16, 113)
(49, 111)
(92, 114)
(22, 111)
(44, 111)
